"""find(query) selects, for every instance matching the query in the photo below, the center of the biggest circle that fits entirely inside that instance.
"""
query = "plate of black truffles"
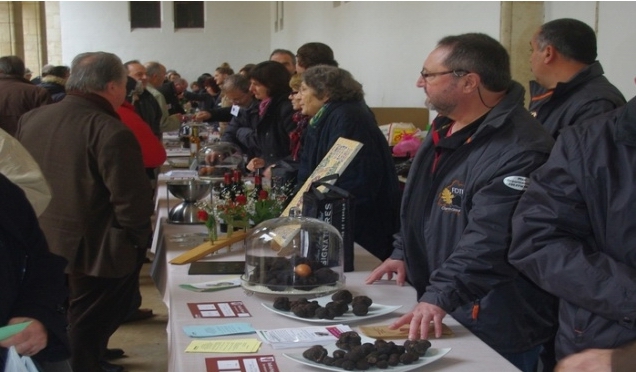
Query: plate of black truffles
(340, 308)
(354, 352)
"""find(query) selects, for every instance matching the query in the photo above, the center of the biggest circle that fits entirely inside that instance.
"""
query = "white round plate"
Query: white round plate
(431, 355)
(375, 310)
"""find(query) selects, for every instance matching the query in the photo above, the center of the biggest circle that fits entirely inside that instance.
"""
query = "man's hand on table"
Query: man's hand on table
(421, 316)
(389, 267)
(419, 320)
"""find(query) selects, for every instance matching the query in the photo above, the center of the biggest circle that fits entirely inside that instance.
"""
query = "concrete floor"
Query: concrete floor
(144, 342)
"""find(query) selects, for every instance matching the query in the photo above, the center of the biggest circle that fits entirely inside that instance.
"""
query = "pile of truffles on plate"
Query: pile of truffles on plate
(354, 355)
(339, 305)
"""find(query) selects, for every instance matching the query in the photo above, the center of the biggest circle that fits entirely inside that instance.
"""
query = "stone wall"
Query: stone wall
(31, 30)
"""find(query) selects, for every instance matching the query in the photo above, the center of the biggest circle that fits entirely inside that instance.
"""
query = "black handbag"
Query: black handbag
(336, 207)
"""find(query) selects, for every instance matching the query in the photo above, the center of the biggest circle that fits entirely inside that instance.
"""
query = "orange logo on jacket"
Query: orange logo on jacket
(450, 199)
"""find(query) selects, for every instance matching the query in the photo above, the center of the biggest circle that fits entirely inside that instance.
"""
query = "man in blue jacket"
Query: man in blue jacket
(570, 86)
(459, 198)
(574, 232)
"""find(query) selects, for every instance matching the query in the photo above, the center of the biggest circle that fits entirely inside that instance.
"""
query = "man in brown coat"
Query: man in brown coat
(17, 95)
(99, 215)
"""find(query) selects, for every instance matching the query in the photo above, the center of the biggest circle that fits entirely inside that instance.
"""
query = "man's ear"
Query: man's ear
(471, 82)
(549, 54)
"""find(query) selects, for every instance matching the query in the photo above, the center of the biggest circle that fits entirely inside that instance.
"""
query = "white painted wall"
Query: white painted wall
(235, 32)
(383, 44)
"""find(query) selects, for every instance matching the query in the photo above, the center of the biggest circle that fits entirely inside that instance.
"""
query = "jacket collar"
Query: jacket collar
(626, 124)
(54, 80)
(586, 74)
(4, 76)
(97, 100)
(497, 116)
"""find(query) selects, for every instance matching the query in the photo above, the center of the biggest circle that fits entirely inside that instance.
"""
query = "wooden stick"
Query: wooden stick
(206, 248)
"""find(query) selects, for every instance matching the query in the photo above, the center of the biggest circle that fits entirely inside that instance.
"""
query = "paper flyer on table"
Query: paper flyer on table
(252, 363)
(247, 345)
(214, 285)
(302, 337)
(218, 330)
(227, 309)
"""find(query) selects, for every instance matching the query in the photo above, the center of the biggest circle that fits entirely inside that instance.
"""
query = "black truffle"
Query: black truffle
(418, 346)
(315, 353)
(408, 358)
(343, 295)
(362, 300)
(282, 303)
(360, 309)
(348, 340)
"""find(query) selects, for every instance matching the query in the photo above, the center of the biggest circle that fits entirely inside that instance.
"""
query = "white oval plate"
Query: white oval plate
(431, 355)
(375, 310)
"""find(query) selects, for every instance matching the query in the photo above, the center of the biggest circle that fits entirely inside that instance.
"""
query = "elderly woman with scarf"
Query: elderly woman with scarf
(269, 82)
(334, 100)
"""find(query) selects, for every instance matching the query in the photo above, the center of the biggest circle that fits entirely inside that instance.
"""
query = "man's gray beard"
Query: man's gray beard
(429, 105)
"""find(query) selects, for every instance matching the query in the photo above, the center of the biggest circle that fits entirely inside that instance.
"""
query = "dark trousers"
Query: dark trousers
(97, 307)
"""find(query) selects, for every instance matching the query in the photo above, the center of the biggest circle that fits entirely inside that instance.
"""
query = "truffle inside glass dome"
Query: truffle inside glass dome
(294, 255)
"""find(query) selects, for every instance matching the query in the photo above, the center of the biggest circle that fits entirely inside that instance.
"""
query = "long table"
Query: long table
(468, 352)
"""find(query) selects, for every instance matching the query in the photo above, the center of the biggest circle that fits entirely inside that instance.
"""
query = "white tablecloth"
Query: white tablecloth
(468, 352)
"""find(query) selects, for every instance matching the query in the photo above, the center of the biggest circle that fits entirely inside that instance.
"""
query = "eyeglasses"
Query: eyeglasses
(429, 76)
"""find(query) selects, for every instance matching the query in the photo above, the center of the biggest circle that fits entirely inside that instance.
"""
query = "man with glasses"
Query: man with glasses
(244, 114)
(459, 198)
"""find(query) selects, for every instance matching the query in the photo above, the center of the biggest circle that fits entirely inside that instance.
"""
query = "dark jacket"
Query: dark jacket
(370, 177)
(55, 86)
(99, 215)
(575, 231)
(271, 137)
(455, 228)
(172, 99)
(246, 118)
(148, 108)
(33, 280)
(586, 95)
(17, 96)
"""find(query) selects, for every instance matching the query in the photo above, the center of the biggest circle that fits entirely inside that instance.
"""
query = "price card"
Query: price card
(231, 309)
(256, 363)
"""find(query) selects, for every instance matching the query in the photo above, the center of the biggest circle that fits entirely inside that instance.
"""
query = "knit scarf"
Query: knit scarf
(262, 107)
(316, 118)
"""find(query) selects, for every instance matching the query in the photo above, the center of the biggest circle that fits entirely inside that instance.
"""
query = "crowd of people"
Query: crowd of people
(514, 220)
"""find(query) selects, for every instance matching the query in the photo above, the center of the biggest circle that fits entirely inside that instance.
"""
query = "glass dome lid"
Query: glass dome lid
(293, 255)
(219, 158)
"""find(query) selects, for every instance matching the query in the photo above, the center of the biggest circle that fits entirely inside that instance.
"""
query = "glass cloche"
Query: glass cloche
(293, 255)
(217, 159)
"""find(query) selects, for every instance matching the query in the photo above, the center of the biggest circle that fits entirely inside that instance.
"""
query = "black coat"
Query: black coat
(33, 280)
(575, 231)
(172, 99)
(271, 134)
(148, 108)
(456, 228)
(586, 95)
(370, 177)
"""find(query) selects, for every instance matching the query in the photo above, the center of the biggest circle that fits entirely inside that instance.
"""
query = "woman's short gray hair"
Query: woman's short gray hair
(333, 82)
(91, 72)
